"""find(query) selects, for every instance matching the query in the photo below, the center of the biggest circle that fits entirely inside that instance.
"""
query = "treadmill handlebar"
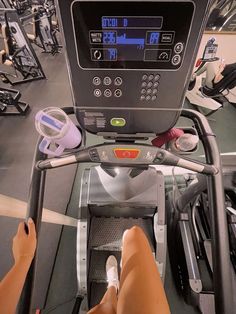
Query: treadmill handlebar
(161, 157)
(167, 158)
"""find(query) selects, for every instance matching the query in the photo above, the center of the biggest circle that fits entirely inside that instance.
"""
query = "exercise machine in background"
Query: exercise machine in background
(121, 64)
(207, 95)
(21, 6)
(10, 103)
(45, 27)
(17, 53)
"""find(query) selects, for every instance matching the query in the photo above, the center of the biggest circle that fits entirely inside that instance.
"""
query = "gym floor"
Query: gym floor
(17, 143)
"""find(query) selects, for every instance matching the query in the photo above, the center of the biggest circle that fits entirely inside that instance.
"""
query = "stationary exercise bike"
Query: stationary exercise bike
(121, 65)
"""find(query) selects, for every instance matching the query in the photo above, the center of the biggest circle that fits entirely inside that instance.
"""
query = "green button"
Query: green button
(118, 122)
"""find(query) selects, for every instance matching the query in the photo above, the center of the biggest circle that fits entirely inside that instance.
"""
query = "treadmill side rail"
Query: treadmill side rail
(193, 270)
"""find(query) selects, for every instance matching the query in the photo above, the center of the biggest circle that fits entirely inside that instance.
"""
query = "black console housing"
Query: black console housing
(130, 61)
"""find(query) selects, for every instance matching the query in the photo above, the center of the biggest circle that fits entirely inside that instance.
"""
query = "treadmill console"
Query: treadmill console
(131, 41)
(130, 61)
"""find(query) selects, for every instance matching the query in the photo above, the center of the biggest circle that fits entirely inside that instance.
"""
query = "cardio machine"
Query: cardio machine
(122, 67)
(202, 92)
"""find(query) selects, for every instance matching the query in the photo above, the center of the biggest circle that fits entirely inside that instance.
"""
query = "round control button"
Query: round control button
(176, 60)
(118, 93)
(118, 81)
(144, 84)
(150, 77)
(96, 81)
(149, 84)
(143, 91)
(97, 92)
(154, 92)
(154, 97)
(148, 97)
(155, 84)
(144, 77)
(178, 48)
(107, 80)
(149, 91)
(142, 97)
(157, 77)
(107, 93)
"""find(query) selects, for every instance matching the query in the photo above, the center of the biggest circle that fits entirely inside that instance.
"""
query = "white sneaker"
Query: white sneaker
(112, 272)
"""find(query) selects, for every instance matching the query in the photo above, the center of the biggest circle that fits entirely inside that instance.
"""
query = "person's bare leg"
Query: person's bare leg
(141, 289)
(110, 297)
(108, 304)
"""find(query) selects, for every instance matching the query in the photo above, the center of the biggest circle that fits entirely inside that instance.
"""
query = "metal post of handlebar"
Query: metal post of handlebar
(222, 277)
(34, 210)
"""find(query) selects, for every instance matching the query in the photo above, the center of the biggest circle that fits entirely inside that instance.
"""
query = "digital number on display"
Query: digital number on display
(131, 22)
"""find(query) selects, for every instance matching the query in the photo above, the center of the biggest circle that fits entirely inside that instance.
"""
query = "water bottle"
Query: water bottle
(57, 130)
(185, 143)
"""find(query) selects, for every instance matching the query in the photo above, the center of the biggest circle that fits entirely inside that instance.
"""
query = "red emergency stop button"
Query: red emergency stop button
(126, 153)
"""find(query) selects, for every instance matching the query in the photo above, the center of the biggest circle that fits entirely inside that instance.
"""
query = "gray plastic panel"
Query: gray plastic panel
(123, 195)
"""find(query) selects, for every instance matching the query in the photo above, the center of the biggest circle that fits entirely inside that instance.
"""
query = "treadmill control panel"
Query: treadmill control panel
(130, 61)
(124, 154)
(115, 35)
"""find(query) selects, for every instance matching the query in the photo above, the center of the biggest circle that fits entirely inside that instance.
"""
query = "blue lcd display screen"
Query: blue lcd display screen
(127, 34)
(123, 42)
(128, 42)
(122, 38)
(131, 22)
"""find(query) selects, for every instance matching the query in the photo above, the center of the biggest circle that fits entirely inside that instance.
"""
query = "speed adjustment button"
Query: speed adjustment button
(176, 60)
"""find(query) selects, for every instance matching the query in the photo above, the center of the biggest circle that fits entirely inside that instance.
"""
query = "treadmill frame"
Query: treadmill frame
(220, 239)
